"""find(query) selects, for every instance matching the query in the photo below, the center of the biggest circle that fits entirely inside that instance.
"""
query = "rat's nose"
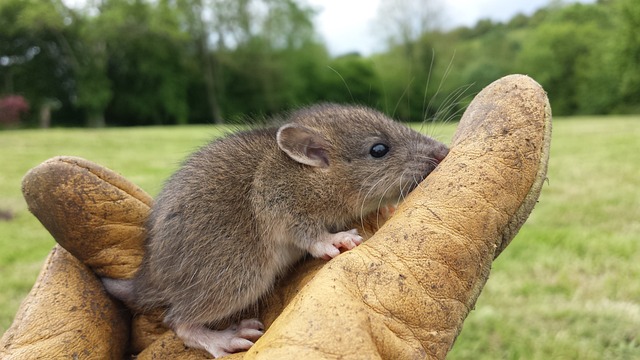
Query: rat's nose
(440, 153)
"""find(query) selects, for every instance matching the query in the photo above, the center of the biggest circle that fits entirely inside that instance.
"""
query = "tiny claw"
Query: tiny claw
(329, 246)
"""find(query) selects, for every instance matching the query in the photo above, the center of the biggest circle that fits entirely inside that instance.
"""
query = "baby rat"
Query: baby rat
(245, 208)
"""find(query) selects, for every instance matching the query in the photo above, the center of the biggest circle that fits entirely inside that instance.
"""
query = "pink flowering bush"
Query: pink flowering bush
(12, 109)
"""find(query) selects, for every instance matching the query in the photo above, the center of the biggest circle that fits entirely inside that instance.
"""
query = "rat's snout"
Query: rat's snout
(440, 153)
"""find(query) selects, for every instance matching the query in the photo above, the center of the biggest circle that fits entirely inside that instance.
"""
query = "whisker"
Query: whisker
(426, 87)
(344, 81)
(389, 187)
(444, 78)
(406, 90)
(364, 200)
(452, 100)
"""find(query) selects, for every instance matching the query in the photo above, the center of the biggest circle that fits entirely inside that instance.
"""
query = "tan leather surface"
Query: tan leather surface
(402, 294)
(94, 213)
(67, 315)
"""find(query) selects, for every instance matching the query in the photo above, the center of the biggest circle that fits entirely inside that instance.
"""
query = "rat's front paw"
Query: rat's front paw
(329, 246)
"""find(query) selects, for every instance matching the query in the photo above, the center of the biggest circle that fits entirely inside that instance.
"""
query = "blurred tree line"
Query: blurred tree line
(144, 62)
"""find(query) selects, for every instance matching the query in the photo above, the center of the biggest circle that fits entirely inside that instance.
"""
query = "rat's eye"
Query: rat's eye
(379, 150)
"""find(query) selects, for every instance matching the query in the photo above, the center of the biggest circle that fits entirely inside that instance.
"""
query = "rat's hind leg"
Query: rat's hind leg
(237, 337)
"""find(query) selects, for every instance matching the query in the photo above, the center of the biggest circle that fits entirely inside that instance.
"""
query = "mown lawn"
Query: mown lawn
(568, 287)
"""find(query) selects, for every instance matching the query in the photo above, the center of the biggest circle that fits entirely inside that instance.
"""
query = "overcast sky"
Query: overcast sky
(348, 25)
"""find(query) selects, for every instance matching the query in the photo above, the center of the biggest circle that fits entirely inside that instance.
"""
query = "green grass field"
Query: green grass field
(568, 287)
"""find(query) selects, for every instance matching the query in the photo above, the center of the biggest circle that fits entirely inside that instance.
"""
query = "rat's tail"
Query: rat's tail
(121, 289)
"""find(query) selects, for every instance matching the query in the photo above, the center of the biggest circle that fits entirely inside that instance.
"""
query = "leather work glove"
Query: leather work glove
(403, 294)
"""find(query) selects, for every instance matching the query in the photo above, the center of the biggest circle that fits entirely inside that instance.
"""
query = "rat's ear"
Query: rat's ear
(303, 145)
